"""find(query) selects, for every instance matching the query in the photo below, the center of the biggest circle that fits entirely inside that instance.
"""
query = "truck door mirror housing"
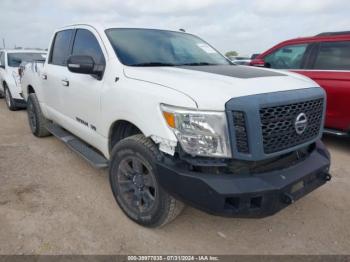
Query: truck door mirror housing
(83, 64)
(258, 62)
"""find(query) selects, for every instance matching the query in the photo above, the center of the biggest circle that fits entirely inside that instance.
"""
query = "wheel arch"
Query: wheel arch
(119, 130)
(30, 90)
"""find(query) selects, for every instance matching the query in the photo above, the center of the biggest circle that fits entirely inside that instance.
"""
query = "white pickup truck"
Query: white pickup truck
(177, 123)
(10, 87)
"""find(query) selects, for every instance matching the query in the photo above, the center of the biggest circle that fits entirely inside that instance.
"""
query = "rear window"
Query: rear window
(333, 56)
(60, 49)
(15, 59)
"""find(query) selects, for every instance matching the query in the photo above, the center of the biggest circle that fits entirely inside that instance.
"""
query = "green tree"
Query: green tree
(231, 53)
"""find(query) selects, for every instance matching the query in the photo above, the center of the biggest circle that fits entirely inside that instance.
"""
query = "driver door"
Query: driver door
(81, 93)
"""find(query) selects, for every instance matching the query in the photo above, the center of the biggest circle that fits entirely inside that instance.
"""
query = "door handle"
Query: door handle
(44, 76)
(65, 82)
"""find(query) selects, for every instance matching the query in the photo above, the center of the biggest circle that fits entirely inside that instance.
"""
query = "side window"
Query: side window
(61, 48)
(85, 43)
(2, 59)
(287, 57)
(333, 56)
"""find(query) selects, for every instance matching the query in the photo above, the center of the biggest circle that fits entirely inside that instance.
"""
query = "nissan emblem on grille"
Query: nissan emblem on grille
(300, 123)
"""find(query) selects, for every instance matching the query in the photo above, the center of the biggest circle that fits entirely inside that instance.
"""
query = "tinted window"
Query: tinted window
(60, 49)
(147, 47)
(15, 59)
(2, 58)
(85, 43)
(333, 56)
(287, 57)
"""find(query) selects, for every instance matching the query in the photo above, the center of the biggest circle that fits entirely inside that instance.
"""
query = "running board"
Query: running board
(81, 148)
(335, 132)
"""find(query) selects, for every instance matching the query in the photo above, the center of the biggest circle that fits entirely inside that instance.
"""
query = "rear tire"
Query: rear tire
(133, 178)
(9, 100)
(36, 119)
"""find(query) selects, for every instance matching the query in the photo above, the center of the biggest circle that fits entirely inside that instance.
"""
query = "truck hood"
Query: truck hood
(212, 86)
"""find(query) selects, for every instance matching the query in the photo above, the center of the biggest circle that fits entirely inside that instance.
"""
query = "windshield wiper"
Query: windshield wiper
(198, 64)
(153, 64)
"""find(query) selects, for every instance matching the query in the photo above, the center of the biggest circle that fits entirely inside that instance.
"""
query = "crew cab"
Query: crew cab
(177, 123)
(10, 87)
(325, 58)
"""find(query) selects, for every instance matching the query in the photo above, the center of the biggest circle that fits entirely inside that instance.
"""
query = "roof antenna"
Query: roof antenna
(182, 30)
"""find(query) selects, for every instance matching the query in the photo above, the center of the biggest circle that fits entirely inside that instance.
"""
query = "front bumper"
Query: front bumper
(256, 195)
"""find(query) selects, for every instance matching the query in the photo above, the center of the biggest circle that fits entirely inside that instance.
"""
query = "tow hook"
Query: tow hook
(328, 177)
(288, 199)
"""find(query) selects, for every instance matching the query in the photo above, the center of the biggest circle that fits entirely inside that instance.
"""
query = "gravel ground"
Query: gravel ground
(52, 202)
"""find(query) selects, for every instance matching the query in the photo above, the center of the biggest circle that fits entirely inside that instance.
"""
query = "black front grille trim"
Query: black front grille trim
(278, 130)
(240, 127)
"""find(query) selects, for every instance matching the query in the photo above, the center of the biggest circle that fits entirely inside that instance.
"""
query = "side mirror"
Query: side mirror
(83, 64)
(2, 66)
(258, 62)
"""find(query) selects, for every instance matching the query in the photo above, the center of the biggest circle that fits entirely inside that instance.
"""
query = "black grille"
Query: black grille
(278, 124)
(241, 132)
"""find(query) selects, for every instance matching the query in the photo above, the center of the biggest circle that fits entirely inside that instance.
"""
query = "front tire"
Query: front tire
(10, 103)
(36, 119)
(133, 178)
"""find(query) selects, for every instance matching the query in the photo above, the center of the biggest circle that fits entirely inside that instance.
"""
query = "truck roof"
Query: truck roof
(320, 37)
(323, 37)
(105, 26)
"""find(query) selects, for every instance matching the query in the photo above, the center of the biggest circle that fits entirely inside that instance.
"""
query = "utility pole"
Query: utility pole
(3, 43)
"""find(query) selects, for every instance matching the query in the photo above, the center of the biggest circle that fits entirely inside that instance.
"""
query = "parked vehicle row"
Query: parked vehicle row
(10, 86)
(325, 58)
(240, 60)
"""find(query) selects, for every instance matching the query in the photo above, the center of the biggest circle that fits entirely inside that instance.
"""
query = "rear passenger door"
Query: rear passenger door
(329, 66)
(55, 72)
(82, 95)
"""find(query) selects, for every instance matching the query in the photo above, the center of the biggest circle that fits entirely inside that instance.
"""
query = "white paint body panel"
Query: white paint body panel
(212, 91)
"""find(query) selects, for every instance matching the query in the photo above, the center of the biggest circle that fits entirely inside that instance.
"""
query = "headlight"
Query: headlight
(199, 133)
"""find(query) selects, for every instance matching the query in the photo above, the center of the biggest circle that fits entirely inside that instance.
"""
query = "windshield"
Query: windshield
(15, 59)
(148, 47)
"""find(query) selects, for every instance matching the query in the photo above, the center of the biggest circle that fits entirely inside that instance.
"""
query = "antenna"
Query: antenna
(3, 43)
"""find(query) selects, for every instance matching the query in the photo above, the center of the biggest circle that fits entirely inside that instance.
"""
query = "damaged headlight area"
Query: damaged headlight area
(200, 133)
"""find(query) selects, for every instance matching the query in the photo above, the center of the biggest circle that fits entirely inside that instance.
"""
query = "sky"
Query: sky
(244, 26)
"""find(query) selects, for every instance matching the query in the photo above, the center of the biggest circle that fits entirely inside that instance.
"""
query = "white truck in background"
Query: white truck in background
(10, 87)
(177, 123)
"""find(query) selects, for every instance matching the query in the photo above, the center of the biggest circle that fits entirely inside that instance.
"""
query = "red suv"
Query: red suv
(326, 59)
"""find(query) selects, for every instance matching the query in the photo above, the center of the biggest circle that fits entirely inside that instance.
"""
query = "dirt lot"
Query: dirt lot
(52, 202)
